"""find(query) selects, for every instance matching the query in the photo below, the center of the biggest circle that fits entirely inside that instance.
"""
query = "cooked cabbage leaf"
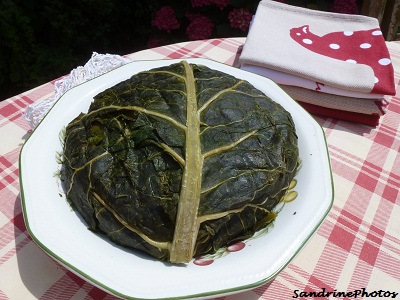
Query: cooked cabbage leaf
(179, 161)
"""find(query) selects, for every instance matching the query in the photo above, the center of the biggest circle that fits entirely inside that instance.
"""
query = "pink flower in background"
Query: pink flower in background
(155, 41)
(165, 19)
(201, 3)
(345, 6)
(201, 27)
(240, 18)
(191, 15)
(221, 4)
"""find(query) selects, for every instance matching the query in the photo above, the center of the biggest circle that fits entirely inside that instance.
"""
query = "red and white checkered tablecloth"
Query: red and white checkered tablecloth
(357, 247)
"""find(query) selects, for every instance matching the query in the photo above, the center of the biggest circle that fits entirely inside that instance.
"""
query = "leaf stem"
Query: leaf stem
(186, 227)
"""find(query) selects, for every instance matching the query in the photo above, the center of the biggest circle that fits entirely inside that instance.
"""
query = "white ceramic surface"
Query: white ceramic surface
(60, 232)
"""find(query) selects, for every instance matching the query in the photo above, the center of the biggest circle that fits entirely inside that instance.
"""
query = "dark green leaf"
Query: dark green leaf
(179, 161)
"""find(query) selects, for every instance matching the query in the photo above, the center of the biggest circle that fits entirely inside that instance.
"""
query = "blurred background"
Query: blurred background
(42, 40)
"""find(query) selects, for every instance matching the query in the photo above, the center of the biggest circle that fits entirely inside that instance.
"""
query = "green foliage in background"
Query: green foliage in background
(41, 40)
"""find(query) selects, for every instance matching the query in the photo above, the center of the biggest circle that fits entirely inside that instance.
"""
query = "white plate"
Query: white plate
(60, 232)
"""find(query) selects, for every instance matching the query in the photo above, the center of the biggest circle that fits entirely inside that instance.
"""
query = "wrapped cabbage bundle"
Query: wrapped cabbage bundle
(179, 161)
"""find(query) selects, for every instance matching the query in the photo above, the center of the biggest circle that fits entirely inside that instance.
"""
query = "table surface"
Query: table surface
(357, 247)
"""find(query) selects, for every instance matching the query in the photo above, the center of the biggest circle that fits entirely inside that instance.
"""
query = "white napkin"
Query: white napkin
(356, 105)
(293, 80)
(337, 50)
(97, 65)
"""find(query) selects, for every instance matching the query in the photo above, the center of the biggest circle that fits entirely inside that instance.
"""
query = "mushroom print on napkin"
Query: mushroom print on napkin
(338, 65)
(358, 47)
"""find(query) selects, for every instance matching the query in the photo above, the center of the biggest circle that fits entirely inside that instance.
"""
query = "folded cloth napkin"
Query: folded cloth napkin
(356, 105)
(293, 80)
(371, 120)
(362, 111)
(337, 50)
(334, 65)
